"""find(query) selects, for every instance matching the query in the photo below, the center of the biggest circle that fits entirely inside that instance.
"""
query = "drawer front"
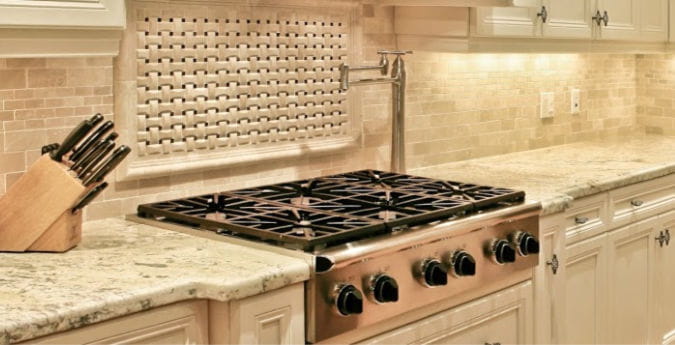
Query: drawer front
(586, 218)
(635, 202)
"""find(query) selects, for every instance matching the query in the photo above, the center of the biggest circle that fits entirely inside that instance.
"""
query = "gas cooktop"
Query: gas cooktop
(327, 211)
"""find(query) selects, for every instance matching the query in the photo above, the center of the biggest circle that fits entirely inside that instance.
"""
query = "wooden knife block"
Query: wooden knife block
(35, 213)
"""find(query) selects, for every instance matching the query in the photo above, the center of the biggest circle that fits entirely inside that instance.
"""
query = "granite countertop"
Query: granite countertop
(557, 175)
(123, 267)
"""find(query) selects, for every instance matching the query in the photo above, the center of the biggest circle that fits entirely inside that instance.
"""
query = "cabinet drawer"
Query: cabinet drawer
(636, 202)
(586, 218)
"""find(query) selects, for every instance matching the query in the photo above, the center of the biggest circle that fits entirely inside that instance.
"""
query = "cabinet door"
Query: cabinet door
(505, 22)
(630, 284)
(276, 317)
(582, 310)
(548, 282)
(624, 19)
(568, 19)
(654, 20)
(503, 317)
(181, 323)
(665, 282)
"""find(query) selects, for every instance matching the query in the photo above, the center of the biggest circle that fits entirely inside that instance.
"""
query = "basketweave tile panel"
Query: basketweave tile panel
(226, 80)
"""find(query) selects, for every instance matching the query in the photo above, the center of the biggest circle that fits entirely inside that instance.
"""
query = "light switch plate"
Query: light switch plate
(575, 101)
(546, 102)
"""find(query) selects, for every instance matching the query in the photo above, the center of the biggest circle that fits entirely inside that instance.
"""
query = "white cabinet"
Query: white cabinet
(568, 19)
(665, 282)
(181, 323)
(654, 20)
(275, 317)
(505, 22)
(579, 310)
(62, 13)
(615, 282)
(272, 318)
(503, 317)
(623, 19)
(631, 282)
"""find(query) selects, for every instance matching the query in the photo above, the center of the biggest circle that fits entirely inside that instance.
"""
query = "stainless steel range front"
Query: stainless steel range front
(383, 243)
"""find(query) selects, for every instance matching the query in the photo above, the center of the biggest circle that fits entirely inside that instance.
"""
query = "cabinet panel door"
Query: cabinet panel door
(568, 19)
(624, 19)
(630, 288)
(665, 282)
(548, 282)
(502, 317)
(276, 317)
(582, 311)
(654, 20)
(505, 22)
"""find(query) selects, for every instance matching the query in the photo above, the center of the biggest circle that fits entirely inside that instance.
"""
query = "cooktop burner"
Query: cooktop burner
(326, 211)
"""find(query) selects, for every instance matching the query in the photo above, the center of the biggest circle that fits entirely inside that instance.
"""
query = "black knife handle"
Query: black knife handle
(87, 158)
(91, 140)
(96, 119)
(105, 167)
(71, 140)
(107, 147)
(49, 148)
(89, 197)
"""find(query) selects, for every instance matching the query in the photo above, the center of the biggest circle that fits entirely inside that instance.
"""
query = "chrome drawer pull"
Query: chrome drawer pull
(554, 263)
(661, 238)
(667, 236)
(637, 203)
(581, 220)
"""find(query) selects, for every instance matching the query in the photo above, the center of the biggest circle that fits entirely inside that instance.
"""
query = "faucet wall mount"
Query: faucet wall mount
(397, 79)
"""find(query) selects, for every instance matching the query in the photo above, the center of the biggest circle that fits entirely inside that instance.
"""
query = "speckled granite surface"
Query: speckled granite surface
(123, 267)
(557, 175)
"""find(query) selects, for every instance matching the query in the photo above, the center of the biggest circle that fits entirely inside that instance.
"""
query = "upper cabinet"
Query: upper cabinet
(654, 20)
(62, 13)
(459, 3)
(505, 22)
(46, 28)
(619, 19)
(568, 19)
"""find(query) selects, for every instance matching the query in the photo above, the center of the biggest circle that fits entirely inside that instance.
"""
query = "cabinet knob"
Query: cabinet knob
(599, 18)
(581, 220)
(661, 238)
(667, 236)
(543, 14)
(637, 203)
(554, 263)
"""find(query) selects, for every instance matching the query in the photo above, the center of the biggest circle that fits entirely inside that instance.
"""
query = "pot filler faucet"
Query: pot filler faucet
(397, 80)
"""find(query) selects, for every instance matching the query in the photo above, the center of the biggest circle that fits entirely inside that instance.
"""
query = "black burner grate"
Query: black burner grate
(317, 213)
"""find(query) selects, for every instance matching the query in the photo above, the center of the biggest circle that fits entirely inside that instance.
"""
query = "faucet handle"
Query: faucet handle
(395, 52)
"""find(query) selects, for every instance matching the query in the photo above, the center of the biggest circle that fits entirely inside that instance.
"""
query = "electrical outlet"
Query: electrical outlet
(575, 101)
(546, 102)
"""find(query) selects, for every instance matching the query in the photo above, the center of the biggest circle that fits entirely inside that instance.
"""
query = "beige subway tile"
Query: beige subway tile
(23, 140)
(12, 79)
(53, 77)
(12, 162)
(26, 63)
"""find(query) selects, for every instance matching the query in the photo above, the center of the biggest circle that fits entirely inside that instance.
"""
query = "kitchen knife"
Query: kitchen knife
(74, 137)
(89, 197)
(87, 157)
(91, 140)
(104, 168)
(96, 158)
(93, 154)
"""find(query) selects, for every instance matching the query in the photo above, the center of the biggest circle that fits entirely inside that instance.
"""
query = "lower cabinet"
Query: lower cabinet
(665, 282)
(504, 317)
(275, 317)
(617, 287)
(181, 323)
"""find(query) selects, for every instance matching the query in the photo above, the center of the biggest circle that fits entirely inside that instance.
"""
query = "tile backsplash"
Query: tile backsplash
(459, 106)
(655, 88)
